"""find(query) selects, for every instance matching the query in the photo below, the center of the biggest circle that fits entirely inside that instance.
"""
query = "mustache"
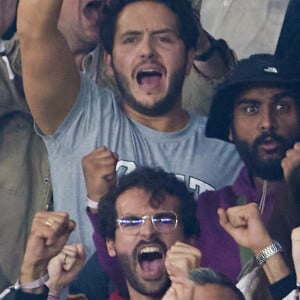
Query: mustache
(262, 139)
(148, 61)
(142, 243)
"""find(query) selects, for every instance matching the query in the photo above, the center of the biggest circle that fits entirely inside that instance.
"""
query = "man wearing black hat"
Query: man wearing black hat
(258, 110)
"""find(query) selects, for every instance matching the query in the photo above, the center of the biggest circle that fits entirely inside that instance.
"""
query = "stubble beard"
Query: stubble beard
(159, 108)
(128, 266)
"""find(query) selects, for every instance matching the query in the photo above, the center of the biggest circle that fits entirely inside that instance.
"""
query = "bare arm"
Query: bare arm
(245, 226)
(99, 169)
(49, 233)
(51, 79)
(213, 59)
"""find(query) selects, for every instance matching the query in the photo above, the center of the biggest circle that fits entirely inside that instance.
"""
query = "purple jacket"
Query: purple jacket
(219, 250)
(110, 265)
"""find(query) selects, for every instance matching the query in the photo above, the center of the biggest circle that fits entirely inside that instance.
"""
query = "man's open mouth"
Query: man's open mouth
(269, 145)
(148, 77)
(151, 260)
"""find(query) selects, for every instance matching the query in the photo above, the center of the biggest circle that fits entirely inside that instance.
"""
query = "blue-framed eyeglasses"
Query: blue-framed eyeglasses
(164, 221)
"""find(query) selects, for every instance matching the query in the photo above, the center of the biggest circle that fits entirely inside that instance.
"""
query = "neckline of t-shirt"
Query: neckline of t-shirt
(167, 136)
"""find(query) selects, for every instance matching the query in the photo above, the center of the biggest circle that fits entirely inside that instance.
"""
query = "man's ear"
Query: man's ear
(190, 59)
(110, 245)
(108, 63)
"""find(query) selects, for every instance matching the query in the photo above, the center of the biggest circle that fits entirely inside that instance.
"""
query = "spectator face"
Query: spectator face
(79, 23)
(7, 14)
(265, 125)
(142, 253)
(149, 59)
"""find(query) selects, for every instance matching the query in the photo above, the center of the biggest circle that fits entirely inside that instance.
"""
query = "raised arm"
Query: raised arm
(64, 267)
(99, 169)
(181, 259)
(213, 58)
(99, 172)
(51, 79)
(49, 233)
(246, 227)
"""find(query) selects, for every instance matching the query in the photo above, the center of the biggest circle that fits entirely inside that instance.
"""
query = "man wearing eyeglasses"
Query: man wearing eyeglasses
(148, 221)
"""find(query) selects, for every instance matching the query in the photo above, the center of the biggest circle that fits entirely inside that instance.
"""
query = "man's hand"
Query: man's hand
(183, 256)
(291, 166)
(49, 233)
(245, 225)
(99, 168)
(64, 267)
(182, 288)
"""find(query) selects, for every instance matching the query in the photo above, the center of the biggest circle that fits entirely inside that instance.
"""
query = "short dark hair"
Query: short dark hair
(204, 276)
(188, 27)
(158, 183)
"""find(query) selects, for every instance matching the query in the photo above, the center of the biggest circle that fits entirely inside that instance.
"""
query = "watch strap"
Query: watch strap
(268, 252)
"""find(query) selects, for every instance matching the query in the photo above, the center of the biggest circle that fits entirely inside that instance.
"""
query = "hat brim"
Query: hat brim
(220, 117)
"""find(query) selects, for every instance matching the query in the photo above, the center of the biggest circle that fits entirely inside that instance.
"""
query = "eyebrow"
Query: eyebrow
(165, 30)
(154, 32)
(246, 101)
(279, 96)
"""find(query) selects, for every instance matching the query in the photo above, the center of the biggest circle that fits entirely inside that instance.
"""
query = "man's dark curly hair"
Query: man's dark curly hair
(188, 27)
(158, 183)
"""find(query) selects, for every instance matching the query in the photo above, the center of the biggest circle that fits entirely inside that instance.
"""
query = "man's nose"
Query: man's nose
(148, 230)
(147, 47)
(267, 120)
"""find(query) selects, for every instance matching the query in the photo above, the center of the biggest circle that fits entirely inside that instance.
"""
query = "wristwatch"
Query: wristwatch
(268, 252)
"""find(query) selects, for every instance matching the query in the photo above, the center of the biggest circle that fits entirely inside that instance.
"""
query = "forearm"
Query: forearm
(276, 268)
(269, 256)
(50, 76)
(283, 287)
(215, 67)
(30, 272)
(36, 17)
(214, 59)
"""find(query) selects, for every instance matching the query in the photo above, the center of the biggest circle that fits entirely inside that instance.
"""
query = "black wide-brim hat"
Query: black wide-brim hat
(259, 70)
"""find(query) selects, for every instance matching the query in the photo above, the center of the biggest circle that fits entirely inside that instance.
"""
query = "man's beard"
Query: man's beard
(268, 169)
(162, 106)
(128, 265)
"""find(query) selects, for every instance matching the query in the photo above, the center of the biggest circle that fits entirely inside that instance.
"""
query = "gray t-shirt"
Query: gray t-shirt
(96, 119)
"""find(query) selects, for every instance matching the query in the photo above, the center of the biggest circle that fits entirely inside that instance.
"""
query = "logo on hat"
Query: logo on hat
(271, 70)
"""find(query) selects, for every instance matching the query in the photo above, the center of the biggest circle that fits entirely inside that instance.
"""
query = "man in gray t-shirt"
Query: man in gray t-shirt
(149, 52)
